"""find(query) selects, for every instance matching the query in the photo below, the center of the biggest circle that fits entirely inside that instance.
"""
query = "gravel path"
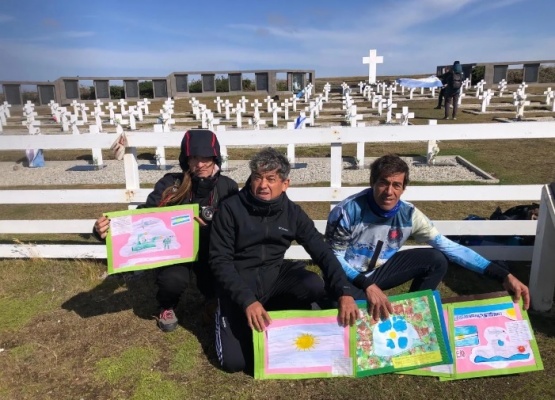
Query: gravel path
(309, 170)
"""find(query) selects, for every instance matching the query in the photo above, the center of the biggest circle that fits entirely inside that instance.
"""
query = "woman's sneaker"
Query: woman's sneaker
(167, 320)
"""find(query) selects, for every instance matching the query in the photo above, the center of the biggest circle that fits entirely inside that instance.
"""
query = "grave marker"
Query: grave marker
(404, 116)
(372, 60)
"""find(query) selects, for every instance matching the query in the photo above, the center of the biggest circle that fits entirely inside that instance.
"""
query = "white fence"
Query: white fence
(335, 137)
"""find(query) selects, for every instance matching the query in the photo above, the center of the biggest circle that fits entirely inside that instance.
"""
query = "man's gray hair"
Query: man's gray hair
(269, 159)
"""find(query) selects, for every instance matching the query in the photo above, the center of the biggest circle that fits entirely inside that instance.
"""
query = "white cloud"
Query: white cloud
(6, 18)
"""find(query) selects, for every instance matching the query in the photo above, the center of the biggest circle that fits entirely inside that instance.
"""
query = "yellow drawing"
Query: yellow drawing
(305, 342)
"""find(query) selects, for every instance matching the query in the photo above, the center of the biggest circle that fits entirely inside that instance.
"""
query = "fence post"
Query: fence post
(542, 274)
(131, 166)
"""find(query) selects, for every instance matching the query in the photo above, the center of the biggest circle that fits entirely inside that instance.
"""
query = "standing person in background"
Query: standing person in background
(453, 89)
(200, 183)
(443, 79)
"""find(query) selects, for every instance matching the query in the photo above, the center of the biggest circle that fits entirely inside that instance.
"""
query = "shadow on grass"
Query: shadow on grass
(136, 291)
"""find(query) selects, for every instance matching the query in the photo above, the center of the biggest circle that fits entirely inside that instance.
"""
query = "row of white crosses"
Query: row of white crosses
(486, 98)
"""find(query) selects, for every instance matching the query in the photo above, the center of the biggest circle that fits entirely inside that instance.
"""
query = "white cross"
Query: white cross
(119, 121)
(461, 95)
(548, 95)
(132, 113)
(433, 150)
(227, 106)
(255, 122)
(275, 110)
(301, 121)
(111, 109)
(122, 103)
(486, 97)
(7, 109)
(520, 102)
(211, 122)
(404, 116)
(83, 107)
(361, 86)
(352, 117)
(32, 126)
(327, 89)
(97, 114)
(381, 103)
(268, 100)
(294, 103)
(255, 104)
(75, 105)
(167, 122)
(74, 122)
(64, 119)
(376, 99)
(243, 100)
(502, 86)
(218, 102)
(390, 105)
(372, 60)
(146, 102)
(285, 106)
(411, 92)
(523, 87)
(238, 110)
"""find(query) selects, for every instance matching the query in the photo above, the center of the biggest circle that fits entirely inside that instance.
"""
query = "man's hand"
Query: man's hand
(348, 310)
(378, 304)
(516, 288)
(257, 316)
(101, 226)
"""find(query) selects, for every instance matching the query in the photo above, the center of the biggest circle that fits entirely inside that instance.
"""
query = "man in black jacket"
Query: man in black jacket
(250, 235)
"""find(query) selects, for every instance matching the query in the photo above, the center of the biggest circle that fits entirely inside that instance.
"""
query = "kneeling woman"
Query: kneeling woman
(200, 183)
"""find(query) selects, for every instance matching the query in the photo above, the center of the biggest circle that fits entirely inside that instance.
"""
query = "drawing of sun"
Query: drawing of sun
(305, 342)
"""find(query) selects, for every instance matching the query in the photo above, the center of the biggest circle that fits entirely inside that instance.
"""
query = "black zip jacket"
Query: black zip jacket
(248, 243)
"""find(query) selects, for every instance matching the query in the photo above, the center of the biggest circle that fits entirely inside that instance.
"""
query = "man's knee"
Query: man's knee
(437, 260)
(233, 365)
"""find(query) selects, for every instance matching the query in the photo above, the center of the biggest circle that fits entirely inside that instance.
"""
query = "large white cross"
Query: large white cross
(372, 60)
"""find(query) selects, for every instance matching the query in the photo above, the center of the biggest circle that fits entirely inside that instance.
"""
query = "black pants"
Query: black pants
(426, 268)
(440, 97)
(448, 99)
(295, 288)
(174, 279)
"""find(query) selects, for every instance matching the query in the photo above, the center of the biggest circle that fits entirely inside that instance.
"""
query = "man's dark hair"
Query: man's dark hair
(269, 159)
(388, 165)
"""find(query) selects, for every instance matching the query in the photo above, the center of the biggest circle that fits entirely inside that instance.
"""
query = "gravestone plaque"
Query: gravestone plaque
(235, 82)
(531, 72)
(102, 89)
(72, 89)
(208, 84)
(46, 93)
(160, 87)
(181, 83)
(499, 73)
(13, 94)
(131, 89)
(261, 80)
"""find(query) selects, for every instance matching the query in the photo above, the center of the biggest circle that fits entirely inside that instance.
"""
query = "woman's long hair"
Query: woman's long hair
(177, 193)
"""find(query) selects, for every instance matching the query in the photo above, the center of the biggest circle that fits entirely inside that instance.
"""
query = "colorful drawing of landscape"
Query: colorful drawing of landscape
(492, 337)
(150, 238)
(303, 344)
(410, 338)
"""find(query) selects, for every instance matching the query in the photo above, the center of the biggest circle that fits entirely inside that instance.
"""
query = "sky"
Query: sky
(44, 40)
